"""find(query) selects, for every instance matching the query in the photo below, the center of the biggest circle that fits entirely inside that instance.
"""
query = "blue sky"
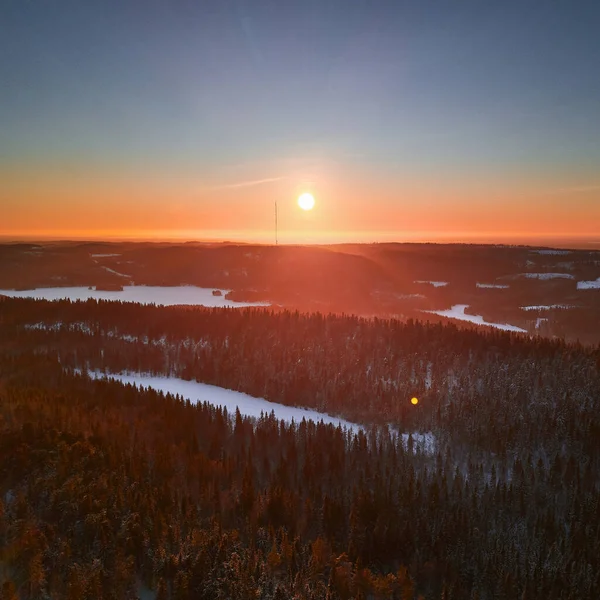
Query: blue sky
(421, 87)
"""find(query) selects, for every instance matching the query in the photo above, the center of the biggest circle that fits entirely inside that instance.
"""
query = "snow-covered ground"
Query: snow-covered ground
(548, 276)
(458, 312)
(547, 306)
(166, 296)
(492, 286)
(589, 285)
(434, 283)
(103, 255)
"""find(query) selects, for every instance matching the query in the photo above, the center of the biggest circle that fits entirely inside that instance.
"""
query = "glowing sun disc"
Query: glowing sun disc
(306, 202)
(414, 401)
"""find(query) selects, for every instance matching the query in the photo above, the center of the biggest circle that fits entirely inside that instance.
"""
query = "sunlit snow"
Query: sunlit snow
(589, 285)
(166, 296)
(458, 312)
(103, 255)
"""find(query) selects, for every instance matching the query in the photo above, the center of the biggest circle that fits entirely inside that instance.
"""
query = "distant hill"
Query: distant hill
(497, 282)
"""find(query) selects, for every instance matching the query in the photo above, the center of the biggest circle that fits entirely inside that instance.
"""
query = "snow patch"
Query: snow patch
(589, 285)
(458, 312)
(492, 286)
(547, 307)
(434, 283)
(164, 296)
(104, 255)
(116, 272)
(552, 252)
(77, 326)
(546, 276)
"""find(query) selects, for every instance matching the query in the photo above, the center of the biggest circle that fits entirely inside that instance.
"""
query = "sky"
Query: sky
(406, 119)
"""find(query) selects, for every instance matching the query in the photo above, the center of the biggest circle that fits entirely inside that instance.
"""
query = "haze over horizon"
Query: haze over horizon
(408, 121)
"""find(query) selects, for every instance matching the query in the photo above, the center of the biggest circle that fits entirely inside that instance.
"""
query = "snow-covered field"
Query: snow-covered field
(166, 296)
(250, 406)
(589, 285)
(103, 255)
(492, 286)
(547, 306)
(548, 276)
(458, 312)
(434, 283)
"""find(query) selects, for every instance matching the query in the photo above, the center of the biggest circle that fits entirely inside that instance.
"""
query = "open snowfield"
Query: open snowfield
(458, 312)
(250, 406)
(589, 285)
(165, 296)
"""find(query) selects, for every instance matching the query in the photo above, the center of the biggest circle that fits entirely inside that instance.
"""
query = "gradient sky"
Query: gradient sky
(407, 119)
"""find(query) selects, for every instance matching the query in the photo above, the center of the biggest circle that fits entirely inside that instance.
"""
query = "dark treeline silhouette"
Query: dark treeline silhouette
(107, 490)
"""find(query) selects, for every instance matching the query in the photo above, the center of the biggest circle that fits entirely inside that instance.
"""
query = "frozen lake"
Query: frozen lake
(165, 296)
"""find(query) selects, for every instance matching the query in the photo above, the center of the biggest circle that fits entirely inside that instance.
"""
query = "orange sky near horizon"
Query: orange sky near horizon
(351, 205)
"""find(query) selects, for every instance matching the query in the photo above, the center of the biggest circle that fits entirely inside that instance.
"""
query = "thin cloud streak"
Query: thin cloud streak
(244, 184)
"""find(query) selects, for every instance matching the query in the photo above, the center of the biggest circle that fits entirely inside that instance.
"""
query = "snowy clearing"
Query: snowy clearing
(104, 255)
(589, 285)
(552, 252)
(458, 312)
(253, 407)
(248, 405)
(548, 276)
(165, 296)
(492, 286)
(547, 307)
(433, 283)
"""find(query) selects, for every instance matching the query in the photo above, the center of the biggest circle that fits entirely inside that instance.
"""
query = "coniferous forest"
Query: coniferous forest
(111, 491)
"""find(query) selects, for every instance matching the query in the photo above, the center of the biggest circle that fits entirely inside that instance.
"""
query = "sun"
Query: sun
(306, 201)
(414, 401)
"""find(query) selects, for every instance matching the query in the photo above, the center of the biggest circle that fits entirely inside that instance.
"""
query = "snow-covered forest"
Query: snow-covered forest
(108, 491)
